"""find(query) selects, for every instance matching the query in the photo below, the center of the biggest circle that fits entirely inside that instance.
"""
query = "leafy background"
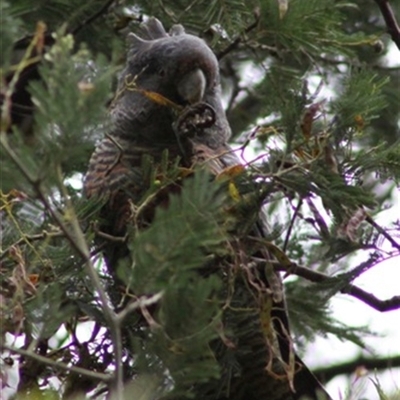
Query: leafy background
(307, 85)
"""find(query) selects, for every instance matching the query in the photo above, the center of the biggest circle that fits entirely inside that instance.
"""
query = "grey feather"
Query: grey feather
(181, 69)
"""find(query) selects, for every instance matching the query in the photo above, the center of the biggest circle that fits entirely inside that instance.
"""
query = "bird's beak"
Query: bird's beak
(192, 86)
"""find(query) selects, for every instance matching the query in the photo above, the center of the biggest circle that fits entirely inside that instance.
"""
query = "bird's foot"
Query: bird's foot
(194, 119)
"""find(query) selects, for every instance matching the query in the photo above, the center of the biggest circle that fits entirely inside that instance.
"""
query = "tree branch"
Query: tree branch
(371, 300)
(327, 373)
(390, 20)
(350, 289)
(58, 365)
(383, 232)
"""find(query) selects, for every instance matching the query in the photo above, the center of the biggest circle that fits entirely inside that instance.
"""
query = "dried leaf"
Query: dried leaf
(18, 317)
(19, 277)
(231, 172)
(160, 99)
(309, 118)
(360, 123)
(303, 155)
(8, 199)
(17, 195)
(233, 191)
(330, 158)
(39, 38)
(34, 278)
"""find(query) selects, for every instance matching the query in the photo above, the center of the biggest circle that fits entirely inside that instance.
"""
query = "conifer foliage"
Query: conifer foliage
(314, 110)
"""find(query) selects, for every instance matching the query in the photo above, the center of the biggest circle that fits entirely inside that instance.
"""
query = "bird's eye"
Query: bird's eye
(161, 72)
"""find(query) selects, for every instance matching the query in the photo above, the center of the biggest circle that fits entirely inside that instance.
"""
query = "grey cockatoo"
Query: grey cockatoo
(169, 97)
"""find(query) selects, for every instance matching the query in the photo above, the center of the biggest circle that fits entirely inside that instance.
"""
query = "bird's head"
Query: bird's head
(177, 65)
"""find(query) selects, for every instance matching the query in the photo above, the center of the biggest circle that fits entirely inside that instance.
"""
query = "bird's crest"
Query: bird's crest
(150, 31)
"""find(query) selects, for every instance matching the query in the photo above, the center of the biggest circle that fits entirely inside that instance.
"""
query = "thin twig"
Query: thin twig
(319, 221)
(390, 20)
(93, 17)
(136, 305)
(382, 232)
(239, 39)
(59, 365)
(111, 238)
(33, 50)
(32, 238)
(77, 240)
(293, 219)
